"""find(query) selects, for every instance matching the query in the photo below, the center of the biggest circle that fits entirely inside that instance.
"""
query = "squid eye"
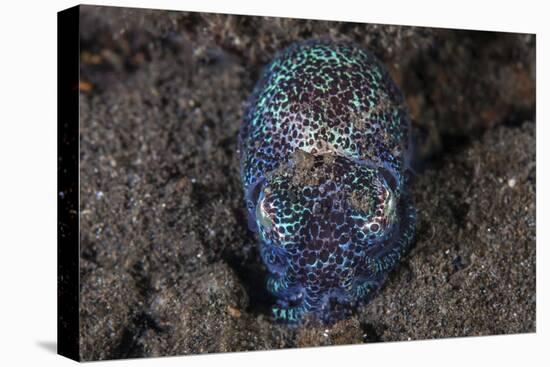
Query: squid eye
(262, 214)
(376, 209)
(389, 178)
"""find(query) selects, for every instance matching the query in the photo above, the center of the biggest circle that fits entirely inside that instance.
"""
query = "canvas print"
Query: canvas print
(238, 183)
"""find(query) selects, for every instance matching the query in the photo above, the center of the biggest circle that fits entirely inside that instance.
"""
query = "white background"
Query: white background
(28, 182)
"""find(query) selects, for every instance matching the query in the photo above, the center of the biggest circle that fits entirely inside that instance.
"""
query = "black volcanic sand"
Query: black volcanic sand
(168, 265)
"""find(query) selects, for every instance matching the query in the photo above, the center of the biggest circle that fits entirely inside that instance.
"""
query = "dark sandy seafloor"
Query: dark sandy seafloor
(168, 265)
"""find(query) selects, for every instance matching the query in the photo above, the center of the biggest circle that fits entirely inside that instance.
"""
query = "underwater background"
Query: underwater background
(168, 265)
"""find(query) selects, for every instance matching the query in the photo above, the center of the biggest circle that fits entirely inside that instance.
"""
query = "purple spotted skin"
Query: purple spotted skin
(325, 151)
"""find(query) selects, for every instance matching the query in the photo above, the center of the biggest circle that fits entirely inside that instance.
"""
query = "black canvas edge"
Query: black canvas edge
(68, 182)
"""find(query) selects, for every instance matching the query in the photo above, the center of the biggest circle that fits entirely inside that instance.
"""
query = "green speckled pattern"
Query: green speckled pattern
(325, 146)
